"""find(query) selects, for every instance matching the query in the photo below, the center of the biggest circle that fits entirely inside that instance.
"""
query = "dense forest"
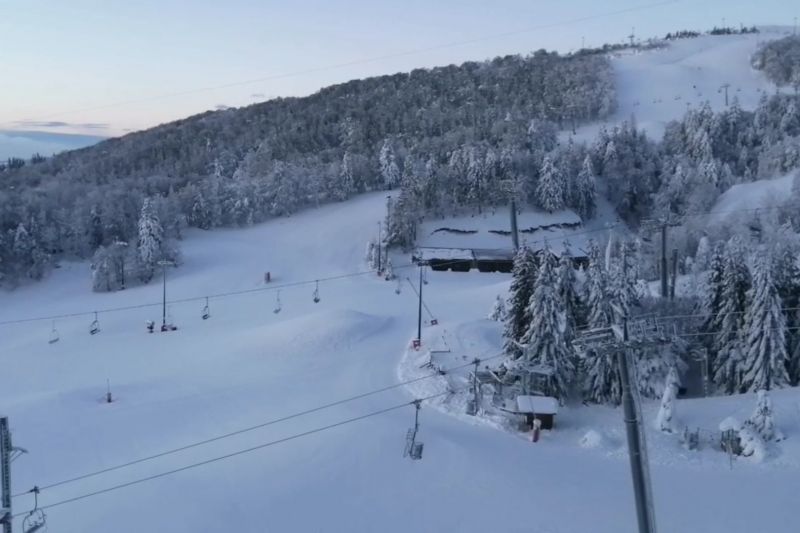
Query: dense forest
(240, 166)
(780, 61)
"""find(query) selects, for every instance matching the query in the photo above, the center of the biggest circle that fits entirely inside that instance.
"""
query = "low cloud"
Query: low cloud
(258, 95)
(59, 124)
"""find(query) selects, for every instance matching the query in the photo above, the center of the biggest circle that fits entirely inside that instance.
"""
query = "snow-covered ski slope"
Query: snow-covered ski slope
(247, 365)
(659, 85)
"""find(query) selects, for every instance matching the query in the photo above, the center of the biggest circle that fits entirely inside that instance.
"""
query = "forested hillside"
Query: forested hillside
(239, 166)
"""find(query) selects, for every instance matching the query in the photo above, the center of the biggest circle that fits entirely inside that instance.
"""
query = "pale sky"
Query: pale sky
(84, 66)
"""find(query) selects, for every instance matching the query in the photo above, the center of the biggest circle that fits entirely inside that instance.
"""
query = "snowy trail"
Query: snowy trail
(247, 365)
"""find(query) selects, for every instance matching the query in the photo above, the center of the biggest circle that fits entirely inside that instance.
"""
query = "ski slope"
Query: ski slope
(247, 365)
(660, 85)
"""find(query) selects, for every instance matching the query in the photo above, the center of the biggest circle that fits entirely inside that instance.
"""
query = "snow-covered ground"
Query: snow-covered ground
(657, 86)
(247, 365)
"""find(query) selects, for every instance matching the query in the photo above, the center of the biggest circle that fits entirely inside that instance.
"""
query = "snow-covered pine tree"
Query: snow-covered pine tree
(389, 169)
(550, 189)
(728, 347)
(764, 365)
(762, 421)
(787, 281)
(544, 341)
(150, 243)
(568, 294)
(601, 381)
(598, 302)
(498, 312)
(586, 190)
(346, 185)
(523, 277)
(664, 419)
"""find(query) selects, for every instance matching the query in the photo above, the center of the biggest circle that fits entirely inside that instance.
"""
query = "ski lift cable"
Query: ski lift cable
(292, 284)
(427, 309)
(259, 426)
(236, 453)
(331, 278)
(203, 297)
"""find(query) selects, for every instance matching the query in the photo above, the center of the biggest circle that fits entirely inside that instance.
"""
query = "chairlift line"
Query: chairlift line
(417, 403)
(172, 451)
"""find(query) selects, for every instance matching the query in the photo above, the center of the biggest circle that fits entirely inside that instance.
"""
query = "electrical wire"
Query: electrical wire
(258, 426)
(271, 287)
(236, 453)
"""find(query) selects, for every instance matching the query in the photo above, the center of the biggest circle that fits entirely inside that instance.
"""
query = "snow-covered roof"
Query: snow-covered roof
(751, 196)
(543, 405)
(491, 231)
(427, 254)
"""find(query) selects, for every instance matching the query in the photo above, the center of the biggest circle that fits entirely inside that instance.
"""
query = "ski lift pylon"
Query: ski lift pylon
(206, 311)
(35, 520)
(277, 303)
(94, 327)
(316, 293)
(413, 448)
(53, 334)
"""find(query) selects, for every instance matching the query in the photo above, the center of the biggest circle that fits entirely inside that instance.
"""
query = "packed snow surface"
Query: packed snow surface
(247, 365)
(657, 86)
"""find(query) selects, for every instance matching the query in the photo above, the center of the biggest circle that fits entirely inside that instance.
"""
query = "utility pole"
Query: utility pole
(641, 492)
(664, 260)
(379, 247)
(674, 273)
(725, 88)
(615, 341)
(632, 36)
(514, 230)
(5, 482)
(164, 264)
(419, 305)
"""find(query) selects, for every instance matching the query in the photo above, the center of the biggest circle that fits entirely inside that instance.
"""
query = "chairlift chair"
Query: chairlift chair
(277, 303)
(94, 327)
(206, 311)
(35, 520)
(316, 297)
(53, 334)
(398, 288)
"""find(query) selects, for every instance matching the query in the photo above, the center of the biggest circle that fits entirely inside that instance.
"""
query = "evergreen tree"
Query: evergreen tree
(550, 189)
(150, 246)
(764, 351)
(568, 294)
(728, 348)
(498, 312)
(389, 170)
(710, 301)
(762, 421)
(598, 302)
(664, 419)
(545, 345)
(523, 277)
(586, 190)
